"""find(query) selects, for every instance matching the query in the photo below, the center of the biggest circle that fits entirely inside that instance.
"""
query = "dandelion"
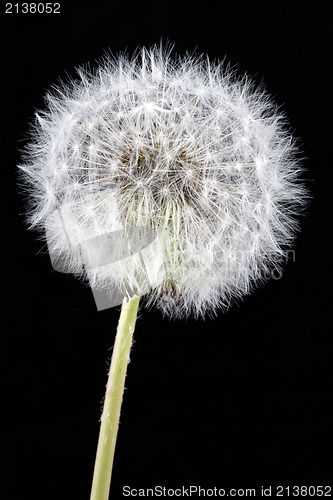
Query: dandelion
(169, 179)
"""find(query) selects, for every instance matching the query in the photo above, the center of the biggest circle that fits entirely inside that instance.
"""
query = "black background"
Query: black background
(238, 401)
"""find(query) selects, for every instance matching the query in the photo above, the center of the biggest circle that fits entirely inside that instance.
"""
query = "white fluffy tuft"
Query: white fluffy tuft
(178, 146)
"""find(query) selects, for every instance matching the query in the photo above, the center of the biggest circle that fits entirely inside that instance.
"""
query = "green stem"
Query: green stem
(113, 399)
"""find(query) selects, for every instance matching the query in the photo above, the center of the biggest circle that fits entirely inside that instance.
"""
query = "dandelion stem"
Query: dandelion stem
(113, 399)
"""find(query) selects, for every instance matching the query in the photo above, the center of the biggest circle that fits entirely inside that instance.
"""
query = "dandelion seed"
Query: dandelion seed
(181, 136)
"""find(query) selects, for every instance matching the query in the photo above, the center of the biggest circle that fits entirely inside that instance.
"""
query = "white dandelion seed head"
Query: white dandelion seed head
(187, 173)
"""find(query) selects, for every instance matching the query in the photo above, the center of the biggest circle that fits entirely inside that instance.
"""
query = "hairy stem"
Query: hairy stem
(113, 399)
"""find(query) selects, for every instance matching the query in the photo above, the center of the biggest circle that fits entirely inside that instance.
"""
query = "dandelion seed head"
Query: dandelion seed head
(180, 146)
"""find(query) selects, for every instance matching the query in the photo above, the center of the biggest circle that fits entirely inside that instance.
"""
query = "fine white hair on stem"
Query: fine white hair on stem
(180, 146)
